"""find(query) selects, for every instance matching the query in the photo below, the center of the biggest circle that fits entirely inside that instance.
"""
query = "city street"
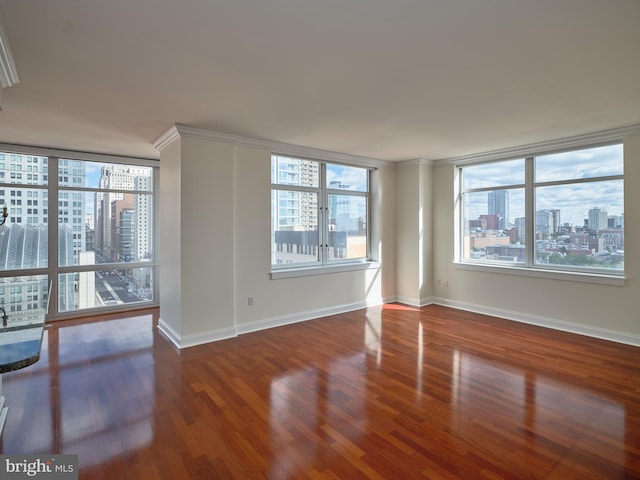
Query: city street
(113, 290)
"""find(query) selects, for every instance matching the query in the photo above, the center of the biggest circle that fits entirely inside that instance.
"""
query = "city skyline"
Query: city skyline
(569, 198)
(106, 225)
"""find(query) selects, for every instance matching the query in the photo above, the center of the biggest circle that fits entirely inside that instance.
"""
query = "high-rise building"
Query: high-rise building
(544, 222)
(117, 207)
(143, 219)
(118, 177)
(521, 226)
(71, 204)
(498, 204)
(24, 238)
(126, 234)
(296, 210)
(555, 221)
(598, 219)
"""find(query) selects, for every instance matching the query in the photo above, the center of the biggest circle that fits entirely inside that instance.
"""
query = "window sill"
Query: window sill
(598, 278)
(310, 271)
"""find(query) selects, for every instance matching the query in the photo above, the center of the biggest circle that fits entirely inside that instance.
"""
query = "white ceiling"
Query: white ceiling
(387, 79)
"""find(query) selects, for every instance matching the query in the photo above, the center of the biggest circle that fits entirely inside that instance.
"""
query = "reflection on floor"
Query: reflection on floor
(385, 392)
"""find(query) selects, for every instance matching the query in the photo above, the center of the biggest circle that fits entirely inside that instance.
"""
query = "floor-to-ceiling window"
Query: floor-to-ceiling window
(82, 222)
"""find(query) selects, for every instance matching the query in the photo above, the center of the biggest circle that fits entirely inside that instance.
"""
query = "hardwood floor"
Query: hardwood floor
(390, 392)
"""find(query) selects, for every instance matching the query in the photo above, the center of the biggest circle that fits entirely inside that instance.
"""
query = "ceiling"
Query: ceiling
(389, 80)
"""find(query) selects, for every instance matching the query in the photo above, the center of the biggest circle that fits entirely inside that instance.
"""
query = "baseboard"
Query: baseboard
(304, 316)
(555, 324)
(413, 302)
(168, 332)
(196, 338)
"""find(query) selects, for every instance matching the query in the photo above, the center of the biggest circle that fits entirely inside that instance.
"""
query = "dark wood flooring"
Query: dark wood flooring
(390, 392)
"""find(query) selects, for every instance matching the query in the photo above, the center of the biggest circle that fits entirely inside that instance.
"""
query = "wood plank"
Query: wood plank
(428, 392)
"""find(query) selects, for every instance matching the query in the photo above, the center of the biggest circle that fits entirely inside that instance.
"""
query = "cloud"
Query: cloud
(574, 200)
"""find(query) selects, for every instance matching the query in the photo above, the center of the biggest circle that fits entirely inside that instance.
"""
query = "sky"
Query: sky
(355, 178)
(573, 200)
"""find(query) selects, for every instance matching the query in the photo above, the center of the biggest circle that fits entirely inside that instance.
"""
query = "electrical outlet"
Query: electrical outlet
(446, 283)
(250, 301)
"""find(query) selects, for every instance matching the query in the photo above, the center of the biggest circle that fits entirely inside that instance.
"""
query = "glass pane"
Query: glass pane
(295, 171)
(589, 163)
(294, 217)
(23, 237)
(24, 294)
(494, 226)
(496, 174)
(80, 290)
(23, 169)
(80, 173)
(104, 227)
(347, 227)
(340, 177)
(581, 225)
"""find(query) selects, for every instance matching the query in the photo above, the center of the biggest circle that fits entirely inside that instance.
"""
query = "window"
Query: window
(561, 211)
(319, 213)
(114, 234)
(103, 233)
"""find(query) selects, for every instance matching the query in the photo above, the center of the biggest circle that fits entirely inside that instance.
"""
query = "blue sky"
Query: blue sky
(574, 200)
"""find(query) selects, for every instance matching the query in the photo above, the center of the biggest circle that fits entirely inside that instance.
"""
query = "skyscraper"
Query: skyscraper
(296, 210)
(24, 237)
(498, 203)
(544, 222)
(555, 214)
(598, 219)
(121, 177)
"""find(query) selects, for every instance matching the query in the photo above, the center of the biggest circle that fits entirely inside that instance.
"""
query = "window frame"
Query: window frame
(530, 267)
(324, 264)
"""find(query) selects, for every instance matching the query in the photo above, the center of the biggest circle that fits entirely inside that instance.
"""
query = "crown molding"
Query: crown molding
(414, 162)
(558, 145)
(179, 131)
(166, 138)
(8, 70)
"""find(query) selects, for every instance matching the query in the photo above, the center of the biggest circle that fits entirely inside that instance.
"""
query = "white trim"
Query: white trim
(8, 70)
(195, 338)
(168, 332)
(231, 332)
(76, 155)
(579, 141)
(552, 323)
(178, 131)
(583, 277)
(414, 162)
(304, 316)
(166, 139)
(309, 271)
(413, 302)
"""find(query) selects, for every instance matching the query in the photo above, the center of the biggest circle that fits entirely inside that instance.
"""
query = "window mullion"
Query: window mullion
(530, 212)
(52, 233)
(323, 220)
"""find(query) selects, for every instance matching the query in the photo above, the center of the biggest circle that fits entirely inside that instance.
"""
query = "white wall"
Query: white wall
(196, 240)
(169, 241)
(224, 257)
(597, 310)
(413, 235)
(291, 299)
(215, 253)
